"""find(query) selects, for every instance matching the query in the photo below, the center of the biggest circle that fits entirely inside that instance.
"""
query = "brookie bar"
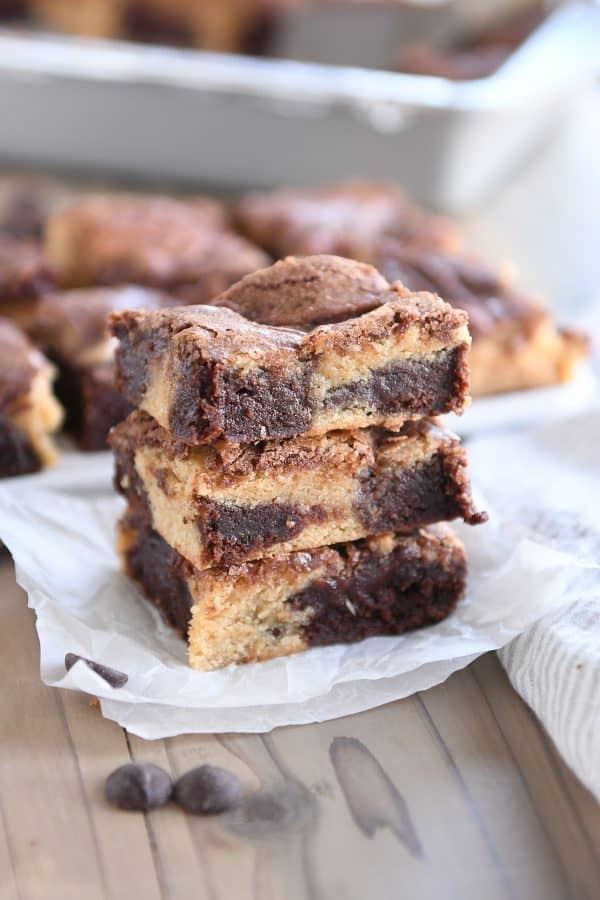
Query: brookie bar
(71, 327)
(25, 277)
(345, 219)
(29, 412)
(206, 372)
(224, 504)
(283, 604)
(515, 342)
(173, 245)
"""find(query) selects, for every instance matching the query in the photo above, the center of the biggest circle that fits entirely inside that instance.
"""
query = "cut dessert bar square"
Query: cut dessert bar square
(280, 605)
(71, 327)
(25, 277)
(345, 219)
(222, 503)
(206, 372)
(515, 342)
(29, 412)
(181, 246)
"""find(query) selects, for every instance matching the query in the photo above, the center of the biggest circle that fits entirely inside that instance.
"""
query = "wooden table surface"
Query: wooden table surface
(453, 793)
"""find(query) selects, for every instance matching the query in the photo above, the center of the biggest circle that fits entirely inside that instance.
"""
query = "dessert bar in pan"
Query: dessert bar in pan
(29, 412)
(206, 372)
(291, 602)
(223, 504)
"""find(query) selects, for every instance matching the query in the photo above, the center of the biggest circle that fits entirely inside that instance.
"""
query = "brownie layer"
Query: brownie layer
(284, 604)
(225, 504)
(17, 454)
(208, 372)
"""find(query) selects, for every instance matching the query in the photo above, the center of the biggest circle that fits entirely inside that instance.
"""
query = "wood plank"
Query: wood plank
(54, 847)
(528, 745)
(456, 792)
(477, 750)
(122, 839)
(8, 881)
(180, 866)
(389, 809)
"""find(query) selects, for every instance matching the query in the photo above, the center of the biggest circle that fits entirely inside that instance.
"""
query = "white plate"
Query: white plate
(519, 409)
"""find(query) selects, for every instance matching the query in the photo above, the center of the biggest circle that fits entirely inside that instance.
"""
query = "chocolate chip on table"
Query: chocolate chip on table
(113, 677)
(208, 789)
(139, 786)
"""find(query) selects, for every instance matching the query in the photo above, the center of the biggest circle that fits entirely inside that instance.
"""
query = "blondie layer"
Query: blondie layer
(516, 345)
(223, 504)
(29, 412)
(206, 372)
(344, 219)
(71, 327)
(283, 604)
(179, 246)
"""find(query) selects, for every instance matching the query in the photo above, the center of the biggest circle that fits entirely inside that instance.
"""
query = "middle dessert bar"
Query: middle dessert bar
(206, 372)
(224, 504)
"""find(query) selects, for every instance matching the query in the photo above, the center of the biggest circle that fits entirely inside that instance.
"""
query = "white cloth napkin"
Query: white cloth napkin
(549, 479)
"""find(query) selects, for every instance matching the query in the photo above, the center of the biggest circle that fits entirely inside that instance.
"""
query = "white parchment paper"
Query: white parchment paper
(59, 528)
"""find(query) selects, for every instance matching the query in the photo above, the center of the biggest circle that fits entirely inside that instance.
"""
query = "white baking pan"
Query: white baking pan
(97, 106)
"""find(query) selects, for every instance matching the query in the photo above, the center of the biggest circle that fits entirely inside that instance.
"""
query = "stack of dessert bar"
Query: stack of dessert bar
(284, 477)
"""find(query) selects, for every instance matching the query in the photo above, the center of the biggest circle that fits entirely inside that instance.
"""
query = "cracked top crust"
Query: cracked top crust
(297, 291)
(308, 292)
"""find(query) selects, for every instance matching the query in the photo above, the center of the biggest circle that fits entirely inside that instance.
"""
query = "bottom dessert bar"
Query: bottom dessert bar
(283, 604)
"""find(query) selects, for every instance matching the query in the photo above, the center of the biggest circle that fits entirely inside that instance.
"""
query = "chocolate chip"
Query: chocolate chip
(208, 789)
(139, 786)
(113, 677)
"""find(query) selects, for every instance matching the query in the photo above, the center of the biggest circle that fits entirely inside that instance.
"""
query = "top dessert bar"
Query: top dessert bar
(181, 246)
(207, 372)
(345, 219)
(515, 342)
(29, 411)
